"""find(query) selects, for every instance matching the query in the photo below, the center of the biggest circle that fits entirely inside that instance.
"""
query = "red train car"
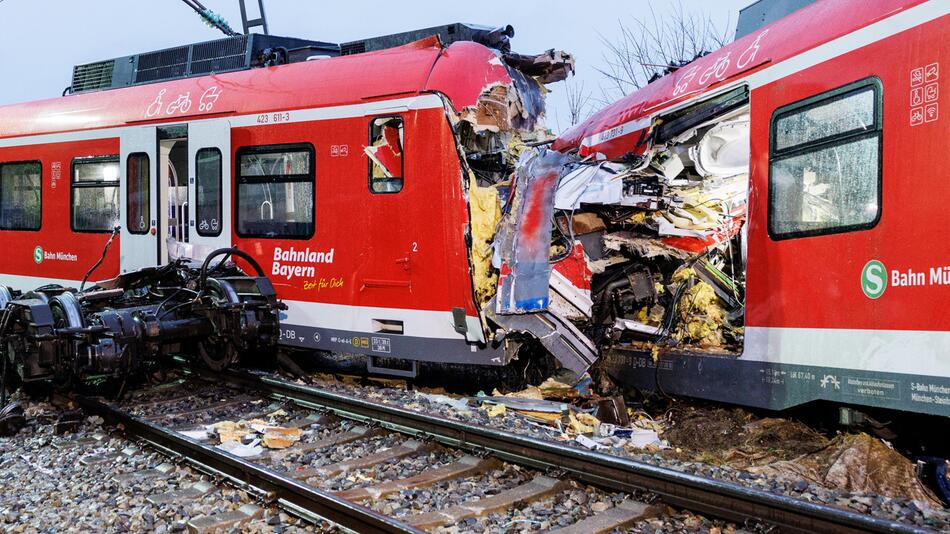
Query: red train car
(845, 281)
(345, 177)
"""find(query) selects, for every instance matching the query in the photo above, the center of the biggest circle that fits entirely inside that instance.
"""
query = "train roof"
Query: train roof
(460, 71)
(618, 129)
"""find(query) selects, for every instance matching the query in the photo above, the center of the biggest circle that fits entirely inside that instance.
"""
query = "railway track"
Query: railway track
(322, 478)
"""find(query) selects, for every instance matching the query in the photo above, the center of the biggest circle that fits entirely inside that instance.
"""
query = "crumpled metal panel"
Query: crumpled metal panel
(525, 232)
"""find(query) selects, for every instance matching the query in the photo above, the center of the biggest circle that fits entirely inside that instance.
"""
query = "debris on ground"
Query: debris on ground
(248, 435)
(592, 421)
(856, 462)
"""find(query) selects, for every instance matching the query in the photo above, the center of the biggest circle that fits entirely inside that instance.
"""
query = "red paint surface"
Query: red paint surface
(460, 71)
(815, 281)
(404, 250)
(574, 267)
(779, 41)
(54, 234)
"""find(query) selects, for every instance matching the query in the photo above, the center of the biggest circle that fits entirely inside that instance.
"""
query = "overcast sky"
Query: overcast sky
(40, 40)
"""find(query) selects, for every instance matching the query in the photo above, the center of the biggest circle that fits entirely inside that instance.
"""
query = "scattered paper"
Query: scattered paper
(242, 451)
(201, 434)
(589, 443)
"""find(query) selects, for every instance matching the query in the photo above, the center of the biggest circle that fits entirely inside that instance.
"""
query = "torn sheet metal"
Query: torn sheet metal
(571, 348)
(636, 326)
(570, 286)
(525, 269)
(524, 404)
(600, 183)
(549, 67)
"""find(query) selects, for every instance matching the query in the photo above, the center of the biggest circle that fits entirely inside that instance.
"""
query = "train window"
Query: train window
(385, 155)
(137, 193)
(275, 188)
(21, 195)
(208, 191)
(825, 163)
(95, 194)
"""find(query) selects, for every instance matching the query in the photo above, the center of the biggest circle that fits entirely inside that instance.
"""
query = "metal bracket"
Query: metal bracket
(260, 22)
(412, 372)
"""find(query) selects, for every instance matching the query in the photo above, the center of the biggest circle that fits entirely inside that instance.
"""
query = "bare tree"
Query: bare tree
(578, 100)
(655, 44)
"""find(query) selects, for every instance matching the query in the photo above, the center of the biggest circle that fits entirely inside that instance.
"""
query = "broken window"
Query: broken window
(208, 191)
(825, 163)
(95, 194)
(385, 154)
(137, 193)
(20, 195)
(275, 189)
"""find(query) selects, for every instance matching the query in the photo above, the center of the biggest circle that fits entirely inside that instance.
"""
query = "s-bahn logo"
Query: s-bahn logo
(873, 279)
(38, 255)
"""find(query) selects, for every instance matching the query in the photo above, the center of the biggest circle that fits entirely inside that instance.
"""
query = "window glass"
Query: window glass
(848, 113)
(275, 193)
(95, 194)
(208, 191)
(20, 196)
(385, 155)
(825, 167)
(287, 163)
(137, 194)
(829, 188)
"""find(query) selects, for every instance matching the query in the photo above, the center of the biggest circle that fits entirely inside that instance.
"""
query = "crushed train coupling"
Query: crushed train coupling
(701, 495)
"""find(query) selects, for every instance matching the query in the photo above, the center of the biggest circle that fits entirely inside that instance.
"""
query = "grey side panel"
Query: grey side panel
(391, 345)
(777, 386)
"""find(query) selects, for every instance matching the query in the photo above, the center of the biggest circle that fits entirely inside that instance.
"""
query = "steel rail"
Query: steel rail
(293, 495)
(710, 497)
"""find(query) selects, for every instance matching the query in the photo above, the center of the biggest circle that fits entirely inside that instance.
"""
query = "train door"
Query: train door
(209, 184)
(174, 233)
(137, 207)
(391, 211)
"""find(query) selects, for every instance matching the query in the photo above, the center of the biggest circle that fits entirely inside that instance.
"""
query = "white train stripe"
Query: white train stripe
(418, 323)
(891, 351)
(428, 101)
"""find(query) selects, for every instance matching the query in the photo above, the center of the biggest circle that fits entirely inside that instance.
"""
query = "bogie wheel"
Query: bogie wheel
(217, 352)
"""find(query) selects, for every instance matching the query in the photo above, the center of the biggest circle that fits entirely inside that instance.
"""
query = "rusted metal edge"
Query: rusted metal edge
(288, 491)
(711, 497)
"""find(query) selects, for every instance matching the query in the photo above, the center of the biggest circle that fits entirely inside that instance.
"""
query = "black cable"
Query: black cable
(173, 295)
(105, 250)
(173, 308)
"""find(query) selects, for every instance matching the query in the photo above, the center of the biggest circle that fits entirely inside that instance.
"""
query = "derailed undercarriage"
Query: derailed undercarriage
(119, 328)
(582, 254)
